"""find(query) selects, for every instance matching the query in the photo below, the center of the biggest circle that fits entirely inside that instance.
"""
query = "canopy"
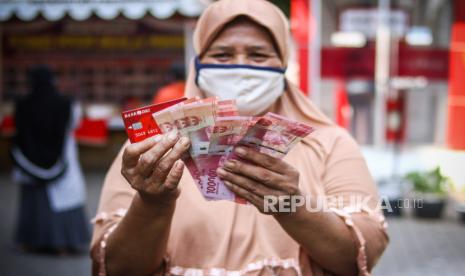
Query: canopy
(106, 9)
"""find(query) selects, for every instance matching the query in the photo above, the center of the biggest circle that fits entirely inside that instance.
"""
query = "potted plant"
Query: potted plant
(458, 194)
(429, 192)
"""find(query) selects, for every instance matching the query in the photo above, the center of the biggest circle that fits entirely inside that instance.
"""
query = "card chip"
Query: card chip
(137, 126)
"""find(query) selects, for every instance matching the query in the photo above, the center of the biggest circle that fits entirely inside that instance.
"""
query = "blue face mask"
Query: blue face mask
(255, 88)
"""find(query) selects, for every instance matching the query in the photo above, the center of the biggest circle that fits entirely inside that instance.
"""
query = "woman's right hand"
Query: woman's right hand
(153, 167)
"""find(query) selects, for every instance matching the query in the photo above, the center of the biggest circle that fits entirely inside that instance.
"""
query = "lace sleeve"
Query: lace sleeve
(346, 214)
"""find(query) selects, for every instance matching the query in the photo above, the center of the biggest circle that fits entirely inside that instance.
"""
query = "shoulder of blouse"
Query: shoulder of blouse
(328, 139)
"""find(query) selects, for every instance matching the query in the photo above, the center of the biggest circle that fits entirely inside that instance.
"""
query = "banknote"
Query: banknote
(274, 135)
(215, 128)
(226, 132)
(169, 120)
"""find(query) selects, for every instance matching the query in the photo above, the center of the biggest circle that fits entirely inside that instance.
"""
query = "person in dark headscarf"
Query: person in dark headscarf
(51, 215)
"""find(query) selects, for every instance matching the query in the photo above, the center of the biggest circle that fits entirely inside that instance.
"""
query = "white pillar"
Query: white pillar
(382, 68)
(314, 53)
(189, 52)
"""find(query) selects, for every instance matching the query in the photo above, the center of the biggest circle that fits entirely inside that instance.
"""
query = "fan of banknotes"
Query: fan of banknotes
(214, 127)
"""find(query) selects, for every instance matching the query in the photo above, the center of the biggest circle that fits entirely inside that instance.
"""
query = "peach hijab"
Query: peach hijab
(224, 238)
(217, 15)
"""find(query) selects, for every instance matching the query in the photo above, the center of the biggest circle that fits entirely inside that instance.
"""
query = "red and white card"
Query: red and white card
(139, 122)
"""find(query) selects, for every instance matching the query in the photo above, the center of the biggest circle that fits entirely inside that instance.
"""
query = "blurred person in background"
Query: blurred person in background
(152, 220)
(51, 216)
(173, 90)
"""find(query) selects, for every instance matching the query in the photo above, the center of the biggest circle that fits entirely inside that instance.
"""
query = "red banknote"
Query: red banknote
(214, 128)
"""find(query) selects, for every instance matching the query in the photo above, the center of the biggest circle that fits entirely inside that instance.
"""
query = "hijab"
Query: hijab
(293, 103)
(212, 237)
(41, 118)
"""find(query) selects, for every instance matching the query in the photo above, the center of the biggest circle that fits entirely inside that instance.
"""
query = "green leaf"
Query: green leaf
(429, 181)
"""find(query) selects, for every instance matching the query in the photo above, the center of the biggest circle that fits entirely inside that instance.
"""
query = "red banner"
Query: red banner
(300, 13)
(456, 99)
(360, 62)
(347, 62)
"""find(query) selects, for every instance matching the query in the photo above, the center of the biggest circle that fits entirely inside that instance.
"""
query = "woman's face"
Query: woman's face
(243, 42)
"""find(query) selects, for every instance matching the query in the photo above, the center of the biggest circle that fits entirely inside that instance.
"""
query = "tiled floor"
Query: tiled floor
(417, 247)
(424, 247)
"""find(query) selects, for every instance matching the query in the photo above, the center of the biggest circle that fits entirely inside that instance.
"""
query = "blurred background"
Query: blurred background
(390, 71)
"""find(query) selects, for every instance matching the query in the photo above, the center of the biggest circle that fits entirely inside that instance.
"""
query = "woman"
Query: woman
(163, 225)
(51, 213)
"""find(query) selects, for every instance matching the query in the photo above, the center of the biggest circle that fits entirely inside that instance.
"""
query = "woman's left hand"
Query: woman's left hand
(261, 177)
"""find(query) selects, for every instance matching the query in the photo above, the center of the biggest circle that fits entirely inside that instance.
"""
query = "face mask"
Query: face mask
(255, 88)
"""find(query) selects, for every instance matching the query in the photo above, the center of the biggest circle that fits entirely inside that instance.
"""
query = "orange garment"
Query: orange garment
(225, 238)
(170, 92)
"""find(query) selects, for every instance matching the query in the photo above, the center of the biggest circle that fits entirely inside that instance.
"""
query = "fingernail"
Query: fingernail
(172, 135)
(184, 141)
(227, 183)
(240, 151)
(179, 165)
(229, 164)
(221, 172)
